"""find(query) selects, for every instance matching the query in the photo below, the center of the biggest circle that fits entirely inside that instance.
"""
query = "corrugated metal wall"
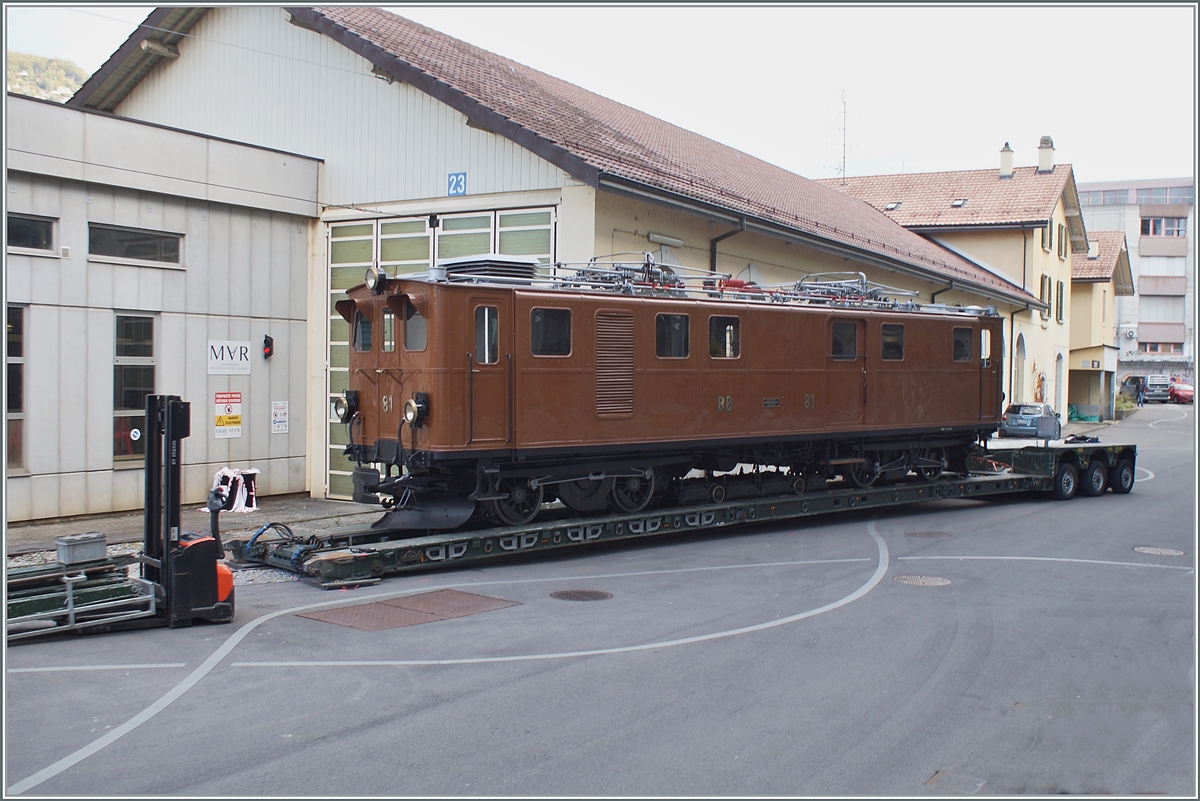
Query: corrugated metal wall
(246, 74)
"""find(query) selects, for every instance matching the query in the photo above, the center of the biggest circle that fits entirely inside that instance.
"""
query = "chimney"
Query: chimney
(1006, 168)
(1046, 155)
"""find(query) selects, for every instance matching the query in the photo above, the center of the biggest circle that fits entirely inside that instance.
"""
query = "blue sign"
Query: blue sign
(456, 184)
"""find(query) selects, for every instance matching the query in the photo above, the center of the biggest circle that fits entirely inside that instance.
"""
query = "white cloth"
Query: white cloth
(240, 494)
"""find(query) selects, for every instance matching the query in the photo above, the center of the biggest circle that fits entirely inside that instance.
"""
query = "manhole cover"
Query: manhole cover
(1158, 551)
(581, 595)
(923, 581)
(927, 534)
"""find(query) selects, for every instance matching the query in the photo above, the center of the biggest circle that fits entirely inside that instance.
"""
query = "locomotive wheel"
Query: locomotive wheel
(633, 493)
(864, 474)
(938, 454)
(799, 485)
(521, 505)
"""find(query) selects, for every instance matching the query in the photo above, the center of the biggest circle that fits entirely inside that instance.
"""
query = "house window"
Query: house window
(30, 233)
(487, 335)
(962, 344)
(550, 332)
(132, 243)
(1160, 347)
(133, 380)
(891, 342)
(1062, 242)
(724, 337)
(1060, 303)
(1048, 237)
(15, 323)
(1164, 226)
(845, 341)
(1045, 295)
(1114, 197)
(671, 336)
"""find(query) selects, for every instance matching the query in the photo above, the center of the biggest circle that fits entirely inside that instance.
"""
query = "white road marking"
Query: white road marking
(57, 668)
(1047, 559)
(226, 647)
(1154, 425)
(1149, 473)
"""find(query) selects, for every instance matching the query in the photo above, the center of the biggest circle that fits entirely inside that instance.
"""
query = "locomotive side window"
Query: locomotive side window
(671, 336)
(487, 335)
(724, 337)
(891, 339)
(985, 347)
(962, 344)
(550, 332)
(415, 327)
(845, 341)
(360, 335)
(389, 331)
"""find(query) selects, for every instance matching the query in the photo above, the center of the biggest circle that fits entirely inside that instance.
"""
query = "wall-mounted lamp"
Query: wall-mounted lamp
(669, 241)
(157, 48)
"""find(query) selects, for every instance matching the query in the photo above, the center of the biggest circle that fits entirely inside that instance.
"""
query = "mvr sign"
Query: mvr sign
(228, 358)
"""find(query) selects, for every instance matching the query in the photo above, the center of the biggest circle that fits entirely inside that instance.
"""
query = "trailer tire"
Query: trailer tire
(1094, 480)
(1121, 477)
(1066, 481)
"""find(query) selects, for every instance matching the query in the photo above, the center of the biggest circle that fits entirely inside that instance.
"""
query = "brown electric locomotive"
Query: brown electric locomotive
(481, 388)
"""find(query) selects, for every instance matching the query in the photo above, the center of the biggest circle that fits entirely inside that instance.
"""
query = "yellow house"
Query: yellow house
(1097, 277)
(1021, 223)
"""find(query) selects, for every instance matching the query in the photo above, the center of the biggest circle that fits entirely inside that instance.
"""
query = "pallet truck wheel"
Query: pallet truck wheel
(1066, 480)
(1121, 478)
(1094, 480)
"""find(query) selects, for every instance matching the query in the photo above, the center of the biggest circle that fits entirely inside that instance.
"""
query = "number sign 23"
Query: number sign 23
(456, 183)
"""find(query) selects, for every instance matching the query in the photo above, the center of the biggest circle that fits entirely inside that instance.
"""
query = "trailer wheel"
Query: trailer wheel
(1121, 477)
(1065, 481)
(1094, 480)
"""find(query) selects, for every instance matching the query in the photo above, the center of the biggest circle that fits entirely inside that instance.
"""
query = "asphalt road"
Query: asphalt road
(1039, 653)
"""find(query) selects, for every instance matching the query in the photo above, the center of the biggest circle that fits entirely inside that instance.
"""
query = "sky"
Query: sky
(879, 89)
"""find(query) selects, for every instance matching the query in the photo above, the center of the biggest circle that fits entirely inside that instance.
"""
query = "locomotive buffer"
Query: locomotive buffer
(181, 579)
(355, 556)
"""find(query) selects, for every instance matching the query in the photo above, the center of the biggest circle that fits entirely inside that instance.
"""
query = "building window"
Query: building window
(550, 332)
(891, 342)
(962, 344)
(133, 380)
(30, 233)
(724, 337)
(1060, 303)
(487, 335)
(1169, 194)
(845, 341)
(1160, 347)
(671, 336)
(1062, 242)
(1164, 226)
(15, 324)
(132, 243)
(1045, 295)
(1114, 197)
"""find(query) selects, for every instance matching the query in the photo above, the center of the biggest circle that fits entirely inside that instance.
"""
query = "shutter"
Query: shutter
(614, 363)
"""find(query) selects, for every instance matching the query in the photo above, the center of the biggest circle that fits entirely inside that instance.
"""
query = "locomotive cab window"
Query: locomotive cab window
(962, 344)
(360, 334)
(985, 347)
(845, 341)
(550, 332)
(487, 334)
(891, 342)
(724, 337)
(389, 331)
(671, 336)
(415, 327)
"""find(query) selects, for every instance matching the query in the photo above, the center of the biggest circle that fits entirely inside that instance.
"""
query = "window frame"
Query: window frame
(105, 258)
(491, 333)
(956, 340)
(411, 329)
(1060, 311)
(664, 338)
(362, 322)
(735, 344)
(833, 337)
(570, 338)
(120, 361)
(51, 250)
(15, 415)
(884, 342)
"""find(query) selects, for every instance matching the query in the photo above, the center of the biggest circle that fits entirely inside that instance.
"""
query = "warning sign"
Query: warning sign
(228, 413)
(279, 417)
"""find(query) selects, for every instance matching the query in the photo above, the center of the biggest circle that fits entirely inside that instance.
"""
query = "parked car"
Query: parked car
(1158, 388)
(1180, 393)
(1030, 420)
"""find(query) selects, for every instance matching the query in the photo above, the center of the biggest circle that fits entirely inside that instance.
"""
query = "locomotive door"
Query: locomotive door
(489, 364)
(989, 376)
(846, 371)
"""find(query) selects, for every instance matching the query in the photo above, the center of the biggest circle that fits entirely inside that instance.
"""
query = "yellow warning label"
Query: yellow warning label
(228, 420)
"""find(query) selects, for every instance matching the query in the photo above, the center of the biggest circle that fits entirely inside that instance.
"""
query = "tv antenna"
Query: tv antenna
(843, 137)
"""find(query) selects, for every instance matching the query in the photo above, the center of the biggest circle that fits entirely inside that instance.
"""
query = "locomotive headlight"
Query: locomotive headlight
(374, 279)
(415, 409)
(345, 406)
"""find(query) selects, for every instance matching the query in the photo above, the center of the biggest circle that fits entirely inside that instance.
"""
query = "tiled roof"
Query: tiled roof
(598, 140)
(926, 199)
(1111, 245)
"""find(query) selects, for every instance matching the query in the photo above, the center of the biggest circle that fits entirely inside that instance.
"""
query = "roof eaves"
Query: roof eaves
(566, 160)
(130, 48)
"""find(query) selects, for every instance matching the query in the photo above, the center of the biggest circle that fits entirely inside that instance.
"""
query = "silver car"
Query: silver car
(1030, 420)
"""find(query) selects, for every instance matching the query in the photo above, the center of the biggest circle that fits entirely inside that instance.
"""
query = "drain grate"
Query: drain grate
(927, 534)
(410, 611)
(1158, 551)
(581, 595)
(923, 581)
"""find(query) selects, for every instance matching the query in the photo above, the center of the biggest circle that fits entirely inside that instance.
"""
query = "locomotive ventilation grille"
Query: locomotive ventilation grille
(614, 363)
